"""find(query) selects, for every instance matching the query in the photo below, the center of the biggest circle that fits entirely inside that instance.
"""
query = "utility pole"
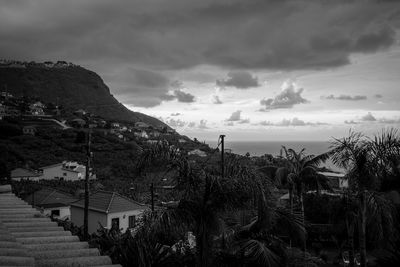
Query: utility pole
(87, 174)
(222, 136)
(152, 196)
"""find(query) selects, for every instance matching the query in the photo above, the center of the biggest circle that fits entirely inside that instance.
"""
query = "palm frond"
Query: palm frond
(257, 253)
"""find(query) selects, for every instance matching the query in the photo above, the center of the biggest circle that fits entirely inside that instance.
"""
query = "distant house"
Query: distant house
(19, 174)
(108, 209)
(141, 125)
(141, 134)
(152, 141)
(114, 125)
(66, 170)
(53, 202)
(29, 130)
(336, 180)
(2, 111)
(198, 152)
(154, 134)
(38, 104)
(80, 112)
(36, 111)
(182, 141)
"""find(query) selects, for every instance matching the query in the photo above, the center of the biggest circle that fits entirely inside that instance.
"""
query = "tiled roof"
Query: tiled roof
(50, 198)
(21, 172)
(109, 202)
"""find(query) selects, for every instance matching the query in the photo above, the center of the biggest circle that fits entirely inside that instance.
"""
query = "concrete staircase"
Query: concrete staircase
(29, 239)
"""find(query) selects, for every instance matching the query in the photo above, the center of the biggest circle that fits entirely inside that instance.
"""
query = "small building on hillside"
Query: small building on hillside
(2, 111)
(53, 202)
(80, 112)
(141, 125)
(197, 152)
(141, 134)
(19, 174)
(66, 170)
(107, 209)
(336, 180)
(29, 130)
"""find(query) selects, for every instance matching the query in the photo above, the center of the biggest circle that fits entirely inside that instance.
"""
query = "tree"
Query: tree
(363, 161)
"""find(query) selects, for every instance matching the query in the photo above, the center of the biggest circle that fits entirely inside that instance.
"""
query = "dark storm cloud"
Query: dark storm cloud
(179, 95)
(240, 80)
(287, 98)
(140, 87)
(183, 97)
(345, 97)
(158, 33)
(378, 96)
(168, 35)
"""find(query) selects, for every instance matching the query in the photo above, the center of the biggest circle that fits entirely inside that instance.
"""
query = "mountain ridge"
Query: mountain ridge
(71, 86)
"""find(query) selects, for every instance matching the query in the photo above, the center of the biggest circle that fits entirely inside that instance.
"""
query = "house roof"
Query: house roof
(52, 165)
(109, 202)
(49, 198)
(21, 172)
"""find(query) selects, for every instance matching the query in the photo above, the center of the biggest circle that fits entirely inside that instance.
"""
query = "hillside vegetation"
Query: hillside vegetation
(72, 87)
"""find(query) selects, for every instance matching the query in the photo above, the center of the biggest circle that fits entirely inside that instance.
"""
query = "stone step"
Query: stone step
(19, 252)
(57, 246)
(33, 219)
(5, 201)
(6, 237)
(46, 239)
(14, 206)
(41, 234)
(29, 224)
(34, 229)
(14, 211)
(55, 254)
(8, 244)
(21, 215)
(75, 261)
(16, 261)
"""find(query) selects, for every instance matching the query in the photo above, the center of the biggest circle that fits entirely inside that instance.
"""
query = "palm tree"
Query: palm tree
(257, 241)
(301, 173)
(205, 195)
(362, 160)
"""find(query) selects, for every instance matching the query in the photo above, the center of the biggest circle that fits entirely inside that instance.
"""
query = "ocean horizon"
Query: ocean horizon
(259, 148)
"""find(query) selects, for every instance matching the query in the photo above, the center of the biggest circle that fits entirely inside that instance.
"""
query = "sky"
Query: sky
(260, 70)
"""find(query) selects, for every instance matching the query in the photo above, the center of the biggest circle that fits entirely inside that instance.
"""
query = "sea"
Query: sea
(259, 148)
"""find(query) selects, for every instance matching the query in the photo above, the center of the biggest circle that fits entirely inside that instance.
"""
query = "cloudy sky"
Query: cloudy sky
(252, 69)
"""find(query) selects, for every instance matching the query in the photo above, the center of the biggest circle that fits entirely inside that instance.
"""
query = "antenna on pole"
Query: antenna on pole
(222, 136)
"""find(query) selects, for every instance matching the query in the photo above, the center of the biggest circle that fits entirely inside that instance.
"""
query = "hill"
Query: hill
(68, 85)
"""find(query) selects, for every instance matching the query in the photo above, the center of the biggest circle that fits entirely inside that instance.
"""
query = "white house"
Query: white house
(337, 180)
(66, 170)
(197, 152)
(52, 202)
(141, 134)
(107, 209)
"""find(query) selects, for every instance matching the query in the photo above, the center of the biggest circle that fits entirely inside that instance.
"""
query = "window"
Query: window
(55, 213)
(132, 220)
(115, 223)
(65, 174)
